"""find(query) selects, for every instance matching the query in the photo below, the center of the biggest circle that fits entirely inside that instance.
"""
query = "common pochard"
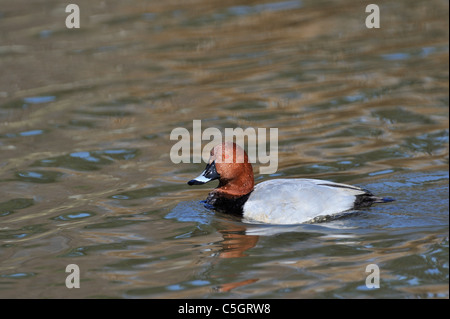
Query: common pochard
(277, 201)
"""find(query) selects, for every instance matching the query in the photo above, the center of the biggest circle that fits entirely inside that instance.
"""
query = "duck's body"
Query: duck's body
(293, 201)
(277, 201)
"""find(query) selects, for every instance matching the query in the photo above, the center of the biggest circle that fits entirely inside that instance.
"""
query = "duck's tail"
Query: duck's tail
(367, 199)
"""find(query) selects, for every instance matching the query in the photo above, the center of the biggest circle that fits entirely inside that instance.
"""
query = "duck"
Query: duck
(275, 201)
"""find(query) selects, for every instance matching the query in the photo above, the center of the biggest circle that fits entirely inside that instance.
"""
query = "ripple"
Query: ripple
(74, 216)
(9, 207)
(88, 160)
(18, 275)
(39, 99)
(401, 115)
(428, 142)
(143, 192)
(22, 232)
(40, 176)
(23, 134)
(266, 7)
(396, 56)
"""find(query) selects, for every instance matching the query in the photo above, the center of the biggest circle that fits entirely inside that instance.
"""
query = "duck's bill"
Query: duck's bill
(199, 180)
(209, 174)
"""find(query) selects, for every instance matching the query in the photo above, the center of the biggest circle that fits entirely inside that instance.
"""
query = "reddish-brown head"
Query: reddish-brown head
(229, 163)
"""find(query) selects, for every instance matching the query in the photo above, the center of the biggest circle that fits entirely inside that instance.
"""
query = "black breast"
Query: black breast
(227, 204)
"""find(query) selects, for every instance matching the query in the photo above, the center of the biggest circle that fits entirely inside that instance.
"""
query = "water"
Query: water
(85, 172)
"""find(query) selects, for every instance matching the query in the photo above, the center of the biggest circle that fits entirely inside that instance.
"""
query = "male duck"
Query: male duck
(277, 201)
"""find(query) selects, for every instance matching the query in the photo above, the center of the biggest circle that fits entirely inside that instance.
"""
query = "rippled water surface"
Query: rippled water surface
(86, 176)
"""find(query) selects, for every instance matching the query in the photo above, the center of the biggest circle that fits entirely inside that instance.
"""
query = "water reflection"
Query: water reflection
(239, 236)
(235, 240)
(85, 173)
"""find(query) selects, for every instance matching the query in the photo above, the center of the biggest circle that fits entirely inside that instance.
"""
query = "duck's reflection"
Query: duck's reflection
(235, 239)
(238, 236)
(232, 285)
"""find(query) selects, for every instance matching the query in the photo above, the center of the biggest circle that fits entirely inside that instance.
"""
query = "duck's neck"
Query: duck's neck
(238, 186)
